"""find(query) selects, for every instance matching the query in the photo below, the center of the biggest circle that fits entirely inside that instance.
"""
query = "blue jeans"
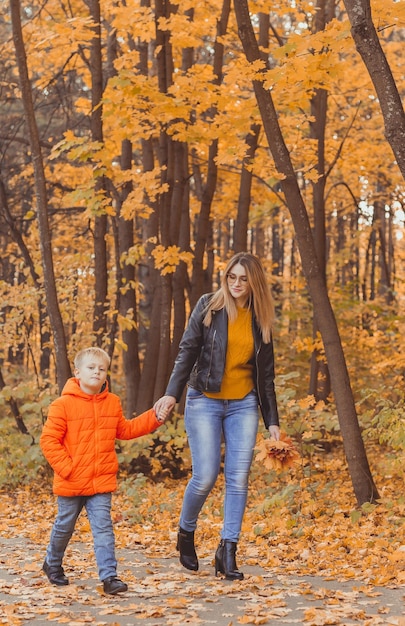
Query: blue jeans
(98, 508)
(207, 420)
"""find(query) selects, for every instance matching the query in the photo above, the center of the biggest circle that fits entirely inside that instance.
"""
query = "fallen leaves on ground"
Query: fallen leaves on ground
(298, 524)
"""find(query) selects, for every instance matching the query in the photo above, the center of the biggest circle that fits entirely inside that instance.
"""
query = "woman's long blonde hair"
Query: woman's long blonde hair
(260, 298)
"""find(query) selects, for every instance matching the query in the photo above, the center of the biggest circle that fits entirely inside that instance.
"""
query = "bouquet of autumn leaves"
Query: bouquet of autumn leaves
(277, 455)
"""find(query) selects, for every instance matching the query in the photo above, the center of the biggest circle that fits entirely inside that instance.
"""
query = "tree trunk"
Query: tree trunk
(167, 211)
(100, 221)
(240, 237)
(199, 284)
(363, 484)
(63, 371)
(127, 300)
(382, 224)
(149, 306)
(391, 256)
(182, 238)
(202, 231)
(148, 276)
(146, 395)
(180, 226)
(319, 385)
(368, 46)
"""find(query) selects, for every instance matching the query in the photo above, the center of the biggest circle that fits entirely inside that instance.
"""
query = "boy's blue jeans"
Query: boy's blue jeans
(98, 508)
(207, 421)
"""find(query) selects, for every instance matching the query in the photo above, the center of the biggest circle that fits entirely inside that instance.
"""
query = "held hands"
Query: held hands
(163, 407)
(274, 432)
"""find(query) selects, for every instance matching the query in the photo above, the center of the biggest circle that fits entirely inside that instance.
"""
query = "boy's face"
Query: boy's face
(92, 374)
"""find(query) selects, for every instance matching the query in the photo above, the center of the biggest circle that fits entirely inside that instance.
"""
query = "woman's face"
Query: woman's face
(238, 284)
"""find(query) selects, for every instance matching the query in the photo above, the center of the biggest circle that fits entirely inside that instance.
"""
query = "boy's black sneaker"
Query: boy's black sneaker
(55, 575)
(114, 585)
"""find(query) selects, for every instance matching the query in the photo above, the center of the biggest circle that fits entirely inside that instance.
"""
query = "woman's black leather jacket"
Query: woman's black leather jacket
(201, 360)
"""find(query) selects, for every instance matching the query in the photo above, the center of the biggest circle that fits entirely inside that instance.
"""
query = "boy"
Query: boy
(78, 440)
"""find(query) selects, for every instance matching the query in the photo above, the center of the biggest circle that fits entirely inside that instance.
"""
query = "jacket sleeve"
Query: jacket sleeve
(189, 350)
(52, 440)
(265, 385)
(143, 424)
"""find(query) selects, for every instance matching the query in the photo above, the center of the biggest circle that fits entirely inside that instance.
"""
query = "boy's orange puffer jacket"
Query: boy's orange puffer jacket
(78, 439)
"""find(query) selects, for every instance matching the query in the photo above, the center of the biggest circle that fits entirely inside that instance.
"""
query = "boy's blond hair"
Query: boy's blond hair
(94, 352)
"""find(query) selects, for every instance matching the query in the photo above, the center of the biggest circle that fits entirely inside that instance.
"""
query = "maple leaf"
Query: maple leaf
(167, 259)
(277, 454)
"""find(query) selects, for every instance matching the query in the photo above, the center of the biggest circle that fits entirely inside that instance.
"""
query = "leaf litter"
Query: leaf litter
(299, 529)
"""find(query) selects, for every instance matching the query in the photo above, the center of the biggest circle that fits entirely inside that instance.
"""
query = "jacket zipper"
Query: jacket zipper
(96, 443)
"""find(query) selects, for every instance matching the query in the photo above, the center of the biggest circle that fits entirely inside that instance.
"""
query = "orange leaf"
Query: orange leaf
(277, 454)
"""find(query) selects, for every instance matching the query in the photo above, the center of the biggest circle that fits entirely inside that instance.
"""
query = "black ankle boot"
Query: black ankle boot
(225, 560)
(55, 575)
(185, 545)
(114, 585)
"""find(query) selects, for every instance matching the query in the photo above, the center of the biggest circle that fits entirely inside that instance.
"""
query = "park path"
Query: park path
(162, 593)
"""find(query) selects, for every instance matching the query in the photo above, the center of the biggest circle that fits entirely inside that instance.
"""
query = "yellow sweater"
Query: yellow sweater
(238, 373)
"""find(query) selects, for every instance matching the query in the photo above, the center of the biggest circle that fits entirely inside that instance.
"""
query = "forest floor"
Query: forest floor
(309, 555)
(162, 593)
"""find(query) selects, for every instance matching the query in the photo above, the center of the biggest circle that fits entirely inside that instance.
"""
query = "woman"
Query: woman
(226, 357)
